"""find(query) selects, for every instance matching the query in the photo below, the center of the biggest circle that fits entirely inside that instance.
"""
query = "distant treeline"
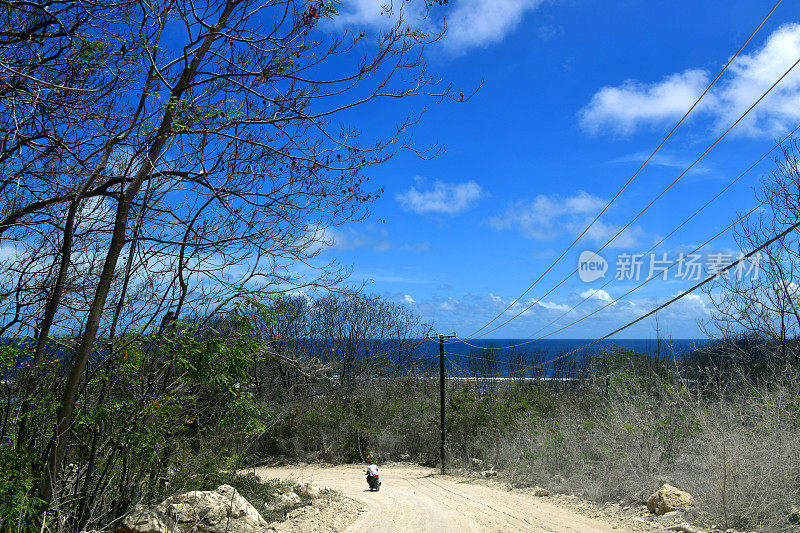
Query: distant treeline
(196, 394)
(615, 427)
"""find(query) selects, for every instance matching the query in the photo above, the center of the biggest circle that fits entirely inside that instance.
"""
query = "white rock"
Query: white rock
(684, 528)
(539, 491)
(307, 489)
(145, 520)
(669, 498)
(214, 511)
(181, 512)
(288, 499)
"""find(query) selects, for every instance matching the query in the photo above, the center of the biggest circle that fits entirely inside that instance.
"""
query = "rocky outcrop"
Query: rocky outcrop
(223, 510)
(308, 490)
(491, 472)
(143, 519)
(540, 492)
(668, 499)
(290, 499)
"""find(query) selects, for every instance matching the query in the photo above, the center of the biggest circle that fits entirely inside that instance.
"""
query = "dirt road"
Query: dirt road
(414, 498)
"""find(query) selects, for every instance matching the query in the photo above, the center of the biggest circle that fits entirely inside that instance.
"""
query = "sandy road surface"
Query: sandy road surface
(415, 499)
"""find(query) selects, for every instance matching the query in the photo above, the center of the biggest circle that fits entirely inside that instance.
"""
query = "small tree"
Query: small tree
(161, 161)
(764, 305)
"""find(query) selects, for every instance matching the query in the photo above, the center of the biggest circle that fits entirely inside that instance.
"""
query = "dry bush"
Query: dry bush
(747, 457)
(737, 452)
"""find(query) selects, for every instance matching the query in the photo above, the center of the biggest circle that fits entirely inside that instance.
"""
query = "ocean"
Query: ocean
(498, 356)
(478, 355)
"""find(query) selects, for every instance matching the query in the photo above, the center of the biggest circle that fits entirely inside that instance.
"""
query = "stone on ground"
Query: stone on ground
(669, 498)
(142, 519)
(541, 492)
(223, 510)
(307, 489)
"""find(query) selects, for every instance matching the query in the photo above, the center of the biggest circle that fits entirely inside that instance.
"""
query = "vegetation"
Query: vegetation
(167, 172)
(168, 177)
(620, 427)
(173, 409)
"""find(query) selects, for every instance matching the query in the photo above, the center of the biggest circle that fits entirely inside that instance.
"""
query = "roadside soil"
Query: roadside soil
(415, 498)
(328, 513)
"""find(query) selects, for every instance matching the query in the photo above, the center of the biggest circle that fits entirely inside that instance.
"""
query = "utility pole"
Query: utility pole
(441, 338)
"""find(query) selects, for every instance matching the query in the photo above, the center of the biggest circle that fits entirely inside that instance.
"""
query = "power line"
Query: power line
(663, 239)
(341, 386)
(673, 300)
(473, 357)
(704, 206)
(441, 337)
(683, 294)
(648, 205)
(654, 276)
(628, 182)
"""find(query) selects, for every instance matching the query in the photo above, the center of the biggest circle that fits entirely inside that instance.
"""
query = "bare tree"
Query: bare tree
(517, 364)
(484, 365)
(165, 160)
(761, 300)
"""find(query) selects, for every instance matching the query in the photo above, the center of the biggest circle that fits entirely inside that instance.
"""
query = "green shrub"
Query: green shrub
(17, 507)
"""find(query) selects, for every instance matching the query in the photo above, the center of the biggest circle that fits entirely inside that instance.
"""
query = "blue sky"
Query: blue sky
(575, 95)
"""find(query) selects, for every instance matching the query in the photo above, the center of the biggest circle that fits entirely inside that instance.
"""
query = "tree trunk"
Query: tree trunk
(86, 345)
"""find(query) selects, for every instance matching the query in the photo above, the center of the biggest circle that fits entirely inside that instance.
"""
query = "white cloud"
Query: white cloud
(378, 13)
(449, 198)
(526, 307)
(408, 299)
(419, 247)
(470, 311)
(624, 108)
(753, 74)
(96, 214)
(450, 304)
(345, 238)
(663, 159)
(469, 23)
(474, 23)
(634, 104)
(690, 306)
(596, 294)
(554, 306)
(8, 252)
(601, 233)
(300, 293)
(547, 217)
(540, 218)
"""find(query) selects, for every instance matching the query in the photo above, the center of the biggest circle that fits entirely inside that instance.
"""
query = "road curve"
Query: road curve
(414, 498)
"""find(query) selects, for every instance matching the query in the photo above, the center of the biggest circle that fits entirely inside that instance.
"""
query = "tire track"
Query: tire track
(448, 505)
(412, 499)
(496, 511)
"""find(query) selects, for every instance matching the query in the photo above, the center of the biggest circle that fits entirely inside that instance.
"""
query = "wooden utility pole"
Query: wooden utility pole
(441, 338)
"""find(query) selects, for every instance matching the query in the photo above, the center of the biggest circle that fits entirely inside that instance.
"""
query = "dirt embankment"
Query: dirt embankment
(414, 498)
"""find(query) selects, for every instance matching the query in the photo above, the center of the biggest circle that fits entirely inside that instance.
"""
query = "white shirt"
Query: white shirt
(372, 470)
